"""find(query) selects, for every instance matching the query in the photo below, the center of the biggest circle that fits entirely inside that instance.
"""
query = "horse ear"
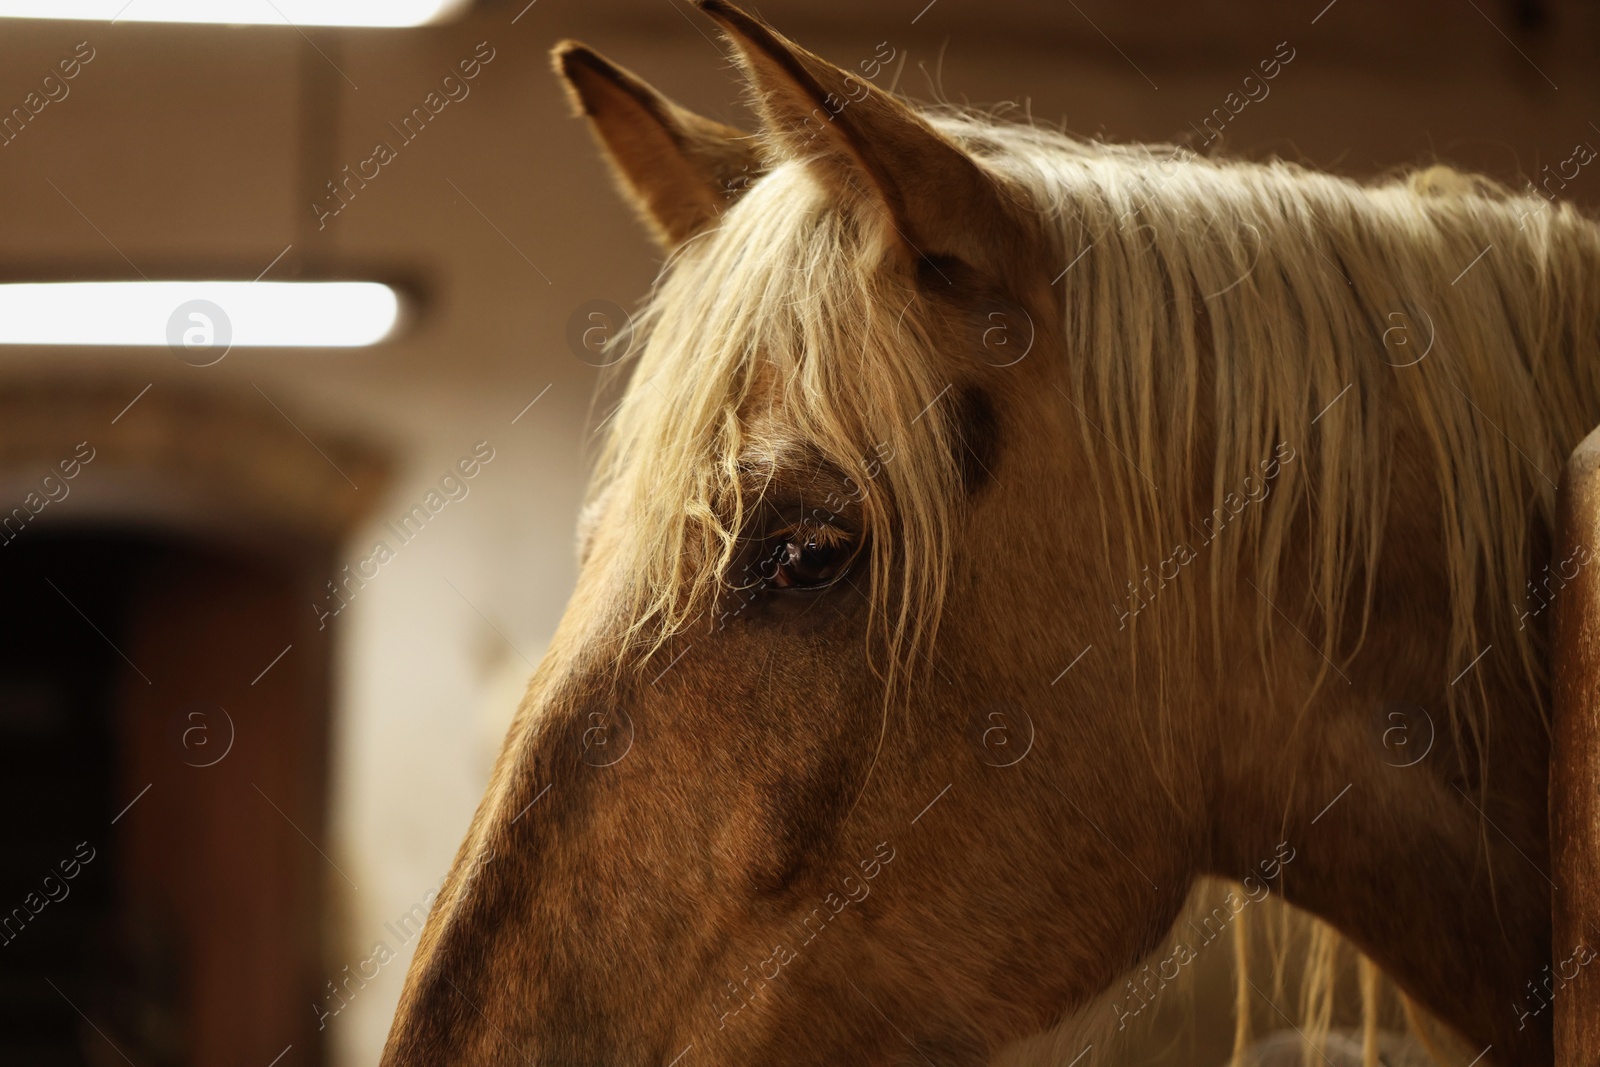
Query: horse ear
(864, 142)
(678, 168)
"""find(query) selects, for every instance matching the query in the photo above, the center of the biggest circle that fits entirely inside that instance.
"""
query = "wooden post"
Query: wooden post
(1575, 756)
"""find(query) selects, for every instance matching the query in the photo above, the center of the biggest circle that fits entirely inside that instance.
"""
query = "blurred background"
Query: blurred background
(270, 608)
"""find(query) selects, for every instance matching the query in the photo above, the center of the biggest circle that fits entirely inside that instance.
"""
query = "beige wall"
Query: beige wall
(185, 150)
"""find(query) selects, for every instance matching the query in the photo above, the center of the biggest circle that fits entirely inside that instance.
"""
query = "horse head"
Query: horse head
(857, 742)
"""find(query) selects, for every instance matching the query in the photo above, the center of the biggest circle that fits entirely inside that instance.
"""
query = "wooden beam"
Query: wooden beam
(1575, 760)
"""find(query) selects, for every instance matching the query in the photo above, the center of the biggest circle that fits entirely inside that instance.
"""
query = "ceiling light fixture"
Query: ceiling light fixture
(241, 12)
(196, 316)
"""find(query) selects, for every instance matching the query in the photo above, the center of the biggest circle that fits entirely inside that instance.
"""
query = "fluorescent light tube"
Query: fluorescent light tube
(198, 317)
(241, 12)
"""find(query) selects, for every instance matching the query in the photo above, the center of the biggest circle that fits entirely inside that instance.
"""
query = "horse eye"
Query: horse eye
(804, 560)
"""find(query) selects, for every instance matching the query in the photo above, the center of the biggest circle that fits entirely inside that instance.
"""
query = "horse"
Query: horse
(997, 534)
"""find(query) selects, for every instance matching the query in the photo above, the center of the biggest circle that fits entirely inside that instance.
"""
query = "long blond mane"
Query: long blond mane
(1214, 311)
(770, 339)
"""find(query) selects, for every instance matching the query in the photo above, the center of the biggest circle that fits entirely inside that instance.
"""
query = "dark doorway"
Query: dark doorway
(163, 711)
